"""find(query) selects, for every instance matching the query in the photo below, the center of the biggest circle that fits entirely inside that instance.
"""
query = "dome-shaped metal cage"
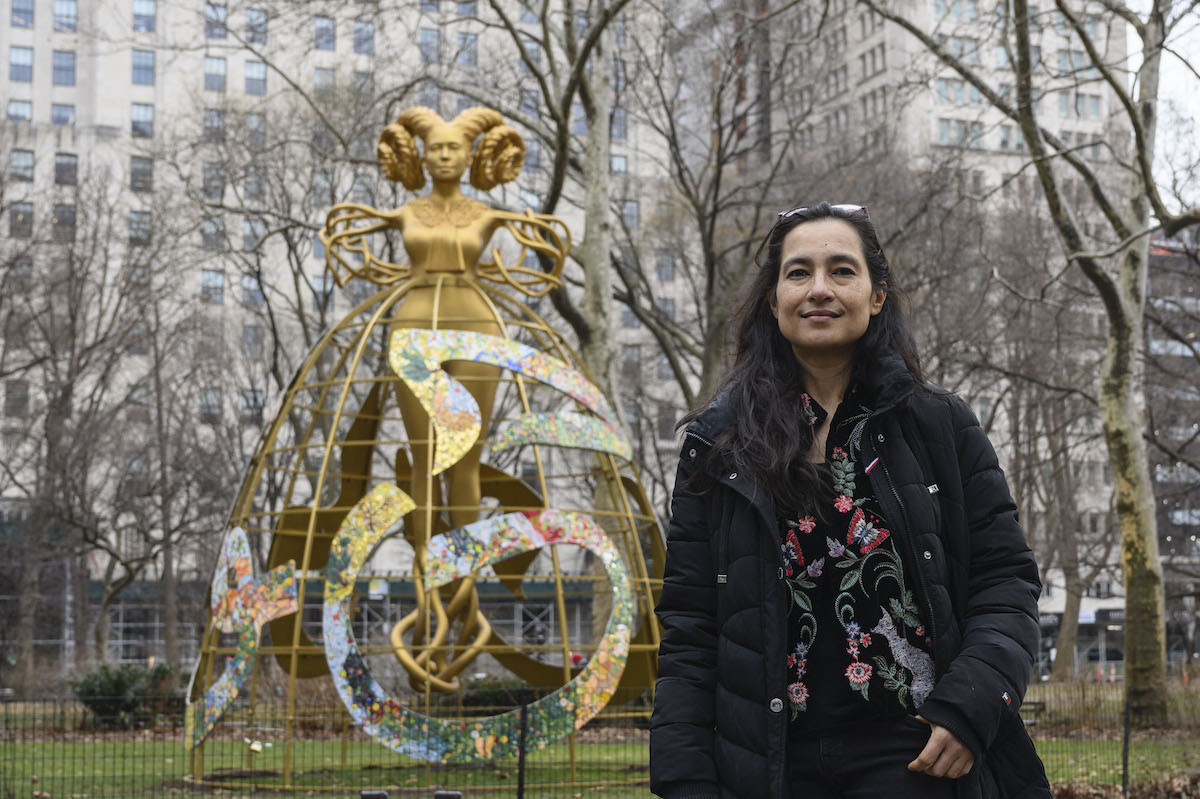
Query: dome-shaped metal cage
(350, 430)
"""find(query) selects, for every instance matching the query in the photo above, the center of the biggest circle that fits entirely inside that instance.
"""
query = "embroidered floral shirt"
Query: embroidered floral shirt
(857, 644)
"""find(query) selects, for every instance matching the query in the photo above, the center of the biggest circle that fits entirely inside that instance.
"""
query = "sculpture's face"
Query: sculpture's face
(447, 153)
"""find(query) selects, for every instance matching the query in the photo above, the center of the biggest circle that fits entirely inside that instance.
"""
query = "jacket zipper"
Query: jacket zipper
(912, 546)
(722, 570)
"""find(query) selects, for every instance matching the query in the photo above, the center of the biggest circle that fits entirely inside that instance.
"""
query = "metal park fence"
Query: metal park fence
(59, 748)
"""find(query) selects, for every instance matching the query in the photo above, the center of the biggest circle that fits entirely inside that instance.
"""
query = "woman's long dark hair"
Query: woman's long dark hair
(769, 440)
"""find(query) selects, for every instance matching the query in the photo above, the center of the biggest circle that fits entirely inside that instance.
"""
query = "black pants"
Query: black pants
(864, 762)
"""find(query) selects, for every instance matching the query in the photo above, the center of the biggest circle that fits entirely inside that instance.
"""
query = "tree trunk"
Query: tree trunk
(29, 599)
(1064, 667)
(170, 607)
(596, 348)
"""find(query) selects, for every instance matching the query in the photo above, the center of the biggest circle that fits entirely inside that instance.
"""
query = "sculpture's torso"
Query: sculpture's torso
(437, 241)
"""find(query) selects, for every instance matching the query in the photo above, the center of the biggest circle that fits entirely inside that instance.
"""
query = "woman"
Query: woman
(849, 605)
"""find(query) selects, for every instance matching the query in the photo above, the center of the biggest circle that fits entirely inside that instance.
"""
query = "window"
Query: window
(533, 55)
(663, 370)
(22, 13)
(430, 42)
(254, 230)
(16, 398)
(252, 185)
(364, 89)
(142, 120)
(214, 74)
(318, 247)
(214, 20)
(620, 77)
(617, 124)
(666, 307)
(578, 119)
(430, 94)
(255, 126)
(533, 154)
(252, 293)
(64, 67)
(618, 165)
(664, 263)
(210, 401)
(324, 33)
(256, 25)
(62, 114)
(141, 226)
(256, 77)
(20, 220)
(214, 125)
(631, 361)
(63, 223)
(66, 169)
(430, 6)
(20, 110)
(143, 67)
(468, 50)
(212, 286)
(322, 187)
(364, 37)
(141, 173)
(20, 64)
(212, 233)
(362, 190)
(665, 423)
(529, 101)
(251, 410)
(468, 8)
(20, 275)
(20, 165)
(323, 82)
(629, 214)
(464, 103)
(65, 14)
(322, 286)
(144, 12)
(253, 337)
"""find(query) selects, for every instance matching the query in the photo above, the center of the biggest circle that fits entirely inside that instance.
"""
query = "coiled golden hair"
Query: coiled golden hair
(498, 159)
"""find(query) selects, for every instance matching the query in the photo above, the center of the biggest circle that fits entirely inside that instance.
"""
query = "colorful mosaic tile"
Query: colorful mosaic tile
(448, 557)
(416, 355)
(242, 605)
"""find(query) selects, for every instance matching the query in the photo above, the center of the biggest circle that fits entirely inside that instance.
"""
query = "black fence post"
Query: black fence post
(523, 697)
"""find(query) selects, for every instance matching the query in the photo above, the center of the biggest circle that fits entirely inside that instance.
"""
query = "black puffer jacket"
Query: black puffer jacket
(719, 726)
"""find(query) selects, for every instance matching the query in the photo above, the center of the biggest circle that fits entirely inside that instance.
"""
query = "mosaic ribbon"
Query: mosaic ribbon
(448, 557)
(416, 355)
(242, 605)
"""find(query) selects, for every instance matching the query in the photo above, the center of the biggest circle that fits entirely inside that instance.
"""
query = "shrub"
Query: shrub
(124, 696)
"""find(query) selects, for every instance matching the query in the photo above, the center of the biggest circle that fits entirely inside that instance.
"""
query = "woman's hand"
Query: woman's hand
(944, 755)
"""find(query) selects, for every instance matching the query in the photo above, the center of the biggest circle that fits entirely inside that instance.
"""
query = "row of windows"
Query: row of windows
(62, 221)
(141, 115)
(212, 292)
(66, 169)
(215, 70)
(66, 14)
(20, 66)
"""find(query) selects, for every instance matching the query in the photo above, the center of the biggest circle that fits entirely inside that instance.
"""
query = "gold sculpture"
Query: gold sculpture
(314, 465)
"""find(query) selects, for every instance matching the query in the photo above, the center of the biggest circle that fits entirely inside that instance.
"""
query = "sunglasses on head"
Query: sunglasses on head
(847, 207)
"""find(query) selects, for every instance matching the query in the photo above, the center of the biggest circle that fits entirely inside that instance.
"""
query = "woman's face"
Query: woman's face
(447, 153)
(823, 298)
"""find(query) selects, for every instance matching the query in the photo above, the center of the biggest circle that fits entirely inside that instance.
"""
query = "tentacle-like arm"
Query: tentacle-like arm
(540, 233)
(346, 237)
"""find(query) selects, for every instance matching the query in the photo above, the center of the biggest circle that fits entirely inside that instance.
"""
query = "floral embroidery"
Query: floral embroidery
(798, 695)
(807, 409)
(859, 568)
(859, 675)
(793, 560)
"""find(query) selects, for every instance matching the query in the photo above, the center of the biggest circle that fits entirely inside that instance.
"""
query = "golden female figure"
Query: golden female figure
(444, 235)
